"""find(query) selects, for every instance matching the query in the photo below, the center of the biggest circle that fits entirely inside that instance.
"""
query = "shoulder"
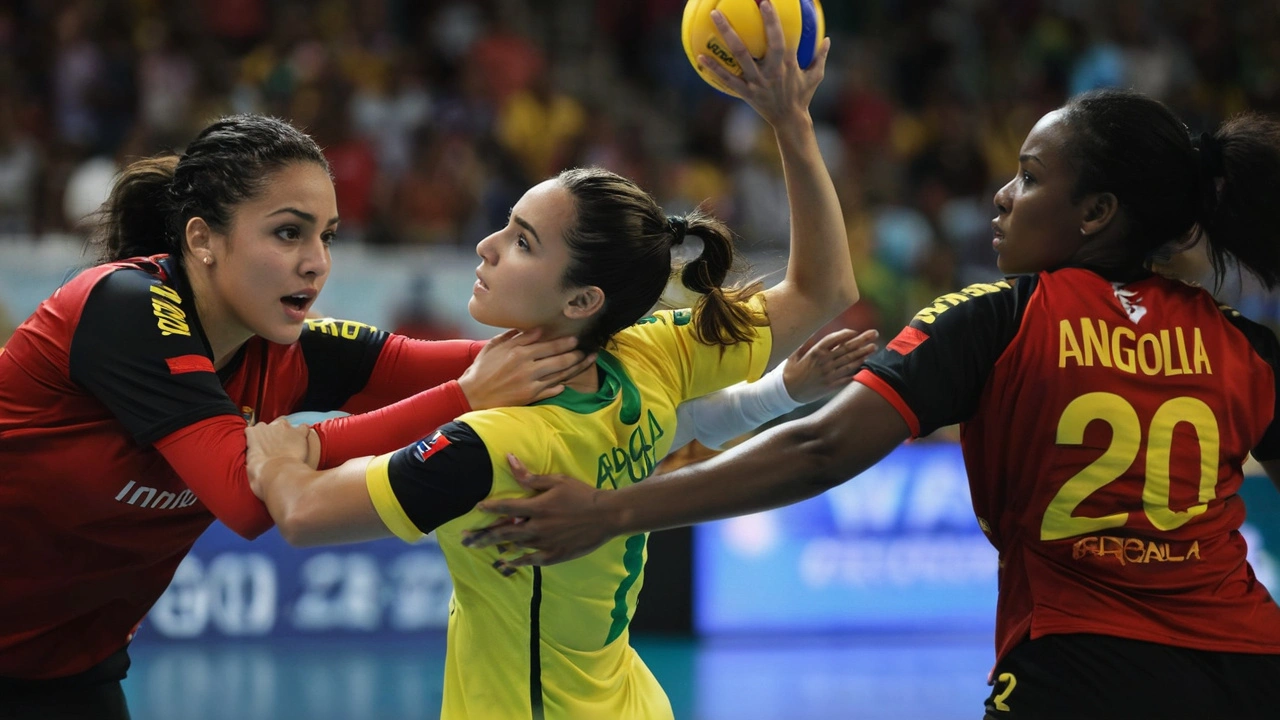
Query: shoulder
(1001, 298)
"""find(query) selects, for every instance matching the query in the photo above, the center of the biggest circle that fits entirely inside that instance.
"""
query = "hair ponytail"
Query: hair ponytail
(134, 220)
(719, 316)
(1238, 212)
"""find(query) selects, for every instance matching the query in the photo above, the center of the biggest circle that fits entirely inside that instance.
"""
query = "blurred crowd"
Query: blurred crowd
(436, 115)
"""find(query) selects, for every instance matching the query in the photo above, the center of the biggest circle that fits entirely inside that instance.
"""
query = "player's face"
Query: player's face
(1038, 226)
(519, 279)
(274, 259)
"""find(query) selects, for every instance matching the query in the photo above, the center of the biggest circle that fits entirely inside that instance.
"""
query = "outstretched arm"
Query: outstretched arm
(787, 464)
(804, 377)
(819, 282)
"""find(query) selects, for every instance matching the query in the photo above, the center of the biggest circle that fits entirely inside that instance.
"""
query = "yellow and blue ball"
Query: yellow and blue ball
(803, 26)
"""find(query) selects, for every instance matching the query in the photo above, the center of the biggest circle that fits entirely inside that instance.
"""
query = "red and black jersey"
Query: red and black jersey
(1104, 427)
(120, 444)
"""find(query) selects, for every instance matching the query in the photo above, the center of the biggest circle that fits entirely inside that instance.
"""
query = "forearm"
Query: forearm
(787, 464)
(320, 507)
(407, 366)
(819, 265)
(719, 417)
(390, 428)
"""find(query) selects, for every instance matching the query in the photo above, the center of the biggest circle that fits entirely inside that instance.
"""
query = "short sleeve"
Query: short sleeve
(137, 351)
(340, 357)
(667, 341)
(934, 371)
(420, 487)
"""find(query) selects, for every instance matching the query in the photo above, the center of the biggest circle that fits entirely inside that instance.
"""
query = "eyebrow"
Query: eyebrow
(308, 217)
(525, 224)
(1030, 158)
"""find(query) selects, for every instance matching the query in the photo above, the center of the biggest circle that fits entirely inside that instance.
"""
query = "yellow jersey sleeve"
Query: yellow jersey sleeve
(667, 343)
(377, 479)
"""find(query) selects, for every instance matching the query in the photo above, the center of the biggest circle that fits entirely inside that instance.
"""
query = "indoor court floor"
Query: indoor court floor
(849, 676)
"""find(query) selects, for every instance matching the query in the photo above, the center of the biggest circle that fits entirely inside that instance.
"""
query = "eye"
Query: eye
(522, 243)
(289, 233)
(1027, 178)
(328, 237)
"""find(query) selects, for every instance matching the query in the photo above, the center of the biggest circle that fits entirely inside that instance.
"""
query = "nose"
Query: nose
(1004, 198)
(486, 250)
(315, 261)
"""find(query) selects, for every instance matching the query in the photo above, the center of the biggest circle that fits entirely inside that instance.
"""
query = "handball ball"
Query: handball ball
(802, 25)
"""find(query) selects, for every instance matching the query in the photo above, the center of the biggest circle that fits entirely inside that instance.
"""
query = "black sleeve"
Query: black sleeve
(340, 357)
(939, 364)
(442, 476)
(1264, 343)
(135, 351)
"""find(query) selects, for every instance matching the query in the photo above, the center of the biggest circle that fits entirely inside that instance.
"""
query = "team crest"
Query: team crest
(248, 414)
(429, 446)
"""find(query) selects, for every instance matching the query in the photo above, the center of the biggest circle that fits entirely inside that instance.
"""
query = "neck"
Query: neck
(586, 381)
(225, 336)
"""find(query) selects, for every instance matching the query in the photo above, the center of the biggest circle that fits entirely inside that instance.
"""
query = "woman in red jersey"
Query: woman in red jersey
(1106, 413)
(124, 398)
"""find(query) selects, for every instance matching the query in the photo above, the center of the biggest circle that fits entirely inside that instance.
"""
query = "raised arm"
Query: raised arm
(819, 282)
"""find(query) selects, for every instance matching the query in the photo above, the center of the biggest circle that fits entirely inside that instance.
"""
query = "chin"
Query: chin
(282, 335)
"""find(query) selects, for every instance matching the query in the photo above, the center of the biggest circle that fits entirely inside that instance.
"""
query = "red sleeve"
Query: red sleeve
(209, 457)
(390, 428)
(407, 366)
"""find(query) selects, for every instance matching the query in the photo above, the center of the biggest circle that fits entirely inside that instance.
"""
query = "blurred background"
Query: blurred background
(875, 600)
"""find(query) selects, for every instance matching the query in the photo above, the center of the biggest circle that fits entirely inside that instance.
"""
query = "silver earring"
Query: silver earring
(1082, 232)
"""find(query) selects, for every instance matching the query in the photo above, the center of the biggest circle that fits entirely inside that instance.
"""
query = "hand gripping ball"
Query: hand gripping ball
(802, 25)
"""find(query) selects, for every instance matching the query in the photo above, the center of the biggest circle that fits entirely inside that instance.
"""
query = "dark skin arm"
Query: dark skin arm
(792, 462)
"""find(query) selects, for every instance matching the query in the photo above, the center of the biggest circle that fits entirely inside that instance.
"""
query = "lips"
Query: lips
(297, 304)
(480, 285)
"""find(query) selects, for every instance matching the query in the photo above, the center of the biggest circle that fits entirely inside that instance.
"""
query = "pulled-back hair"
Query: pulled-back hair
(1174, 187)
(621, 241)
(228, 163)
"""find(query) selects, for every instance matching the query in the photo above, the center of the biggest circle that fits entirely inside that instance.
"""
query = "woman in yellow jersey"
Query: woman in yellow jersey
(586, 254)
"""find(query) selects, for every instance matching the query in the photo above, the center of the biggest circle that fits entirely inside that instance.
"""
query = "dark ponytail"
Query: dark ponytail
(621, 242)
(1175, 189)
(720, 318)
(1238, 209)
(134, 219)
(229, 162)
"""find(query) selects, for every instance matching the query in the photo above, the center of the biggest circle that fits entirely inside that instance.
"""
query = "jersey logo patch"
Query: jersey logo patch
(1131, 301)
(907, 340)
(189, 364)
(430, 446)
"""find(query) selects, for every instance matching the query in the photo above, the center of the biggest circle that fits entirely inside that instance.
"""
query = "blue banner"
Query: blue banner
(227, 587)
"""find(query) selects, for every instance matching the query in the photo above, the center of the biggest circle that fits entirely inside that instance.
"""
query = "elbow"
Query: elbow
(821, 455)
(844, 296)
(296, 528)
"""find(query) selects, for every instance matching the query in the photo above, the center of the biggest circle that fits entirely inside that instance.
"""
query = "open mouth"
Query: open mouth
(298, 303)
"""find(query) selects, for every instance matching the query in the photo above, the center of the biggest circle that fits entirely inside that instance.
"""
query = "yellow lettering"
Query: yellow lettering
(1153, 551)
(1135, 545)
(929, 314)
(1067, 345)
(1122, 355)
(1168, 555)
(166, 309)
(350, 330)
(1146, 340)
(1201, 354)
(172, 327)
(1095, 342)
(1167, 349)
(1118, 550)
(1182, 350)
(1194, 549)
(167, 293)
